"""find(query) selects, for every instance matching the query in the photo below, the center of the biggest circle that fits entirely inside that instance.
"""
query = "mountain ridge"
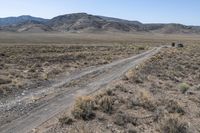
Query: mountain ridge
(83, 22)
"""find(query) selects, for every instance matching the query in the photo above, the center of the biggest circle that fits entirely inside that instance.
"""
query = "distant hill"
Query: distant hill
(21, 19)
(83, 22)
(28, 26)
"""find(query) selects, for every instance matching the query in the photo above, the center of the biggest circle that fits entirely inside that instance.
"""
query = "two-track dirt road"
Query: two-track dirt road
(89, 80)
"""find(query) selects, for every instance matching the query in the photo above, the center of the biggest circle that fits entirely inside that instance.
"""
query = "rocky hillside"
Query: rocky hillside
(82, 22)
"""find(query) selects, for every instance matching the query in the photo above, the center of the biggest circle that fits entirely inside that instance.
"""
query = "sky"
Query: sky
(146, 11)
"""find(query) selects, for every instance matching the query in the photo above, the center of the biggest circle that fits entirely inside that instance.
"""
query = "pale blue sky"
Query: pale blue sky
(147, 11)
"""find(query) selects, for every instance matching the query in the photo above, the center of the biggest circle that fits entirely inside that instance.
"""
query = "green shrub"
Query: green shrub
(184, 87)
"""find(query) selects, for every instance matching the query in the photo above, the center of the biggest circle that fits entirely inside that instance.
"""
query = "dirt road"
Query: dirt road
(87, 81)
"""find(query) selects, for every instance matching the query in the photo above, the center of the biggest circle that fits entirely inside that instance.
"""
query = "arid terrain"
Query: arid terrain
(159, 93)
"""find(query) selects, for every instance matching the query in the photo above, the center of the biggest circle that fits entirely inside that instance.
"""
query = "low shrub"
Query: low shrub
(143, 99)
(106, 104)
(83, 108)
(184, 87)
(66, 120)
(109, 92)
(122, 119)
(121, 88)
(174, 107)
(4, 80)
(174, 125)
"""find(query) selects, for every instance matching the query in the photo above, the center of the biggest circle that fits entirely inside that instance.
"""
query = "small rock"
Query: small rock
(190, 93)
(130, 92)
(116, 102)
(180, 45)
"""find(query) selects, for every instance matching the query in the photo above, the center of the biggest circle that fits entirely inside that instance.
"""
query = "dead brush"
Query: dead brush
(174, 125)
(134, 76)
(109, 92)
(4, 80)
(129, 75)
(143, 99)
(66, 121)
(173, 107)
(81, 128)
(122, 119)
(106, 104)
(83, 108)
(121, 88)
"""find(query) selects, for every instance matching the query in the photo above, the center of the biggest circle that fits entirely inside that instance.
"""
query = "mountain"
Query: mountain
(28, 26)
(21, 19)
(83, 22)
(172, 28)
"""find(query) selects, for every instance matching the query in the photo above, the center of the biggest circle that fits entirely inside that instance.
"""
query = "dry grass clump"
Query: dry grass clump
(4, 80)
(106, 104)
(105, 100)
(66, 121)
(122, 119)
(174, 125)
(121, 88)
(143, 99)
(5, 84)
(109, 92)
(129, 74)
(83, 108)
(133, 76)
(174, 107)
(81, 128)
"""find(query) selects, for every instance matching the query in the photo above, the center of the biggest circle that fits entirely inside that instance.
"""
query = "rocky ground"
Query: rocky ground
(162, 95)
